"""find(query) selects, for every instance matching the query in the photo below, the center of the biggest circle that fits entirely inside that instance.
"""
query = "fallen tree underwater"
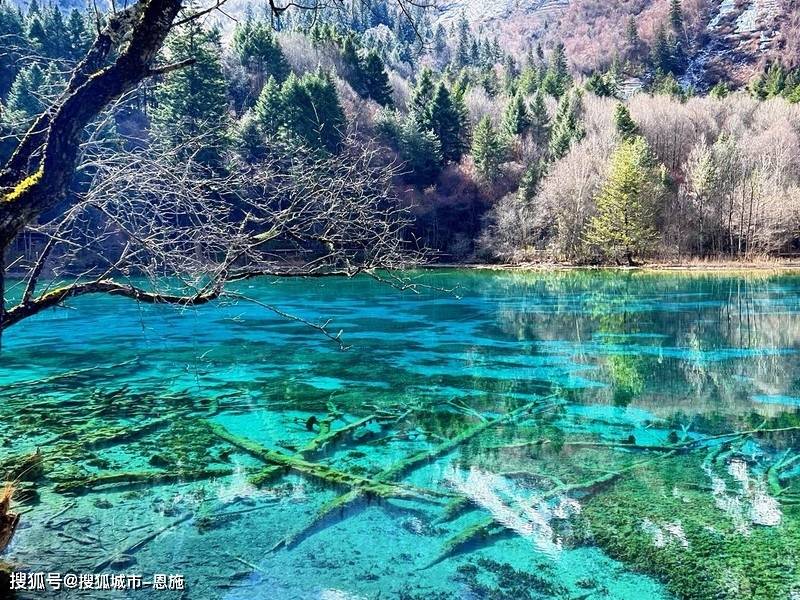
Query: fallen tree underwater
(383, 483)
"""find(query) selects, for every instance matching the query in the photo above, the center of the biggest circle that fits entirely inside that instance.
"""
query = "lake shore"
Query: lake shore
(699, 266)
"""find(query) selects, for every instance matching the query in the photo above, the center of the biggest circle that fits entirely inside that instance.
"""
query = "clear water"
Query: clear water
(568, 428)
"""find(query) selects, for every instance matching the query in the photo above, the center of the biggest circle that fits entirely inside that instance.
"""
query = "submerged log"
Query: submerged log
(140, 478)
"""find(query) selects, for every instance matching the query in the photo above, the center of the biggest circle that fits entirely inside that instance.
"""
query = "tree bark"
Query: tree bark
(57, 296)
(40, 171)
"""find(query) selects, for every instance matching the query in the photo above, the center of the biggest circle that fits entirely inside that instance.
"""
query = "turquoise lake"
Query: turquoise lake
(501, 435)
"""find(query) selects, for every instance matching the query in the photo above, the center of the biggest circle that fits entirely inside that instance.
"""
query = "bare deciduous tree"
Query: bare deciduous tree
(187, 232)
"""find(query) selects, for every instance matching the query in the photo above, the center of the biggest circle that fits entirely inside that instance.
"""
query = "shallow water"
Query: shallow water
(560, 435)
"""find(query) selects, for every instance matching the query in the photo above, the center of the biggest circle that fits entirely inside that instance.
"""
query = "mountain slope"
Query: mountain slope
(729, 39)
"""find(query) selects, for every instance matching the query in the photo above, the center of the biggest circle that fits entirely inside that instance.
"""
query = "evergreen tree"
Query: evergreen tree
(660, 56)
(516, 120)
(489, 81)
(625, 125)
(353, 71)
(529, 184)
(78, 38)
(446, 121)
(757, 87)
(676, 17)
(34, 10)
(441, 50)
(667, 54)
(421, 97)
(540, 120)
(249, 137)
(257, 49)
(633, 43)
(26, 98)
(566, 126)
(624, 225)
(529, 80)
(37, 35)
(557, 78)
(57, 39)
(667, 85)
(791, 83)
(775, 80)
(192, 101)
(13, 45)
(376, 81)
(464, 41)
(268, 111)
(602, 85)
(487, 150)
(421, 151)
(311, 110)
(720, 90)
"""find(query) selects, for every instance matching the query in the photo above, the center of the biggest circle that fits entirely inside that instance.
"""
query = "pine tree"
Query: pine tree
(312, 111)
(249, 137)
(353, 70)
(463, 42)
(624, 225)
(421, 97)
(757, 87)
(191, 102)
(13, 45)
(529, 184)
(421, 150)
(667, 85)
(269, 110)
(56, 34)
(26, 98)
(376, 81)
(540, 120)
(676, 17)
(791, 83)
(79, 40)
(775, 80)
(624, 123)
(487, 150)
(602, 85)
(37, 35)
(566, 126)
(446, 121)
(660, 56)
(33, 9)
(529, 80)
(516, 120)
(720, 90)
(441, 50)
(633, 43)
(259, 52)
(557, 78)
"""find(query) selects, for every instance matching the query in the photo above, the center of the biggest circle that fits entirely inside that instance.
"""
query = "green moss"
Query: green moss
(718, 561)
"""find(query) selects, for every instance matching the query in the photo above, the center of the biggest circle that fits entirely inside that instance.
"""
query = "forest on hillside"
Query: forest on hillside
(468, 149)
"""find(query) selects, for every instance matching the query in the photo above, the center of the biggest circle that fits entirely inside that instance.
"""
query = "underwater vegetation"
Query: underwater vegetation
(531, 441)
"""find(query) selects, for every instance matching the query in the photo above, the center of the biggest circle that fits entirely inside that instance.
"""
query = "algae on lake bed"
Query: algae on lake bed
(555, 435)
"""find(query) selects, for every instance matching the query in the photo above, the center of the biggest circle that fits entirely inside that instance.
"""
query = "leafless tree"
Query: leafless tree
(157, 225)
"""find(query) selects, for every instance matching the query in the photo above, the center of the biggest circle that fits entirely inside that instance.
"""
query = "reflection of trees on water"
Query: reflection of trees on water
(690, 342)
